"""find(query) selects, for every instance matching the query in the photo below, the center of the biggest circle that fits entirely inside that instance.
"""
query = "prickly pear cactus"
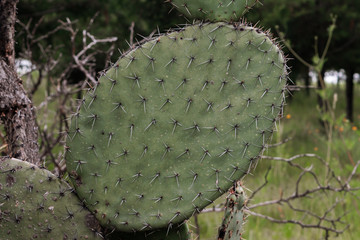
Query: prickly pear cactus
(174, 123)
(213, 10)
(180, 232)
(232, 225)
(35, 204)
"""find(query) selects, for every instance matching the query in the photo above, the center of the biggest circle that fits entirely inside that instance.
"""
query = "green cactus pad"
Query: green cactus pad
(213, 10)
(232, 225)
(174, 123)
(34, 204)
(175, 233)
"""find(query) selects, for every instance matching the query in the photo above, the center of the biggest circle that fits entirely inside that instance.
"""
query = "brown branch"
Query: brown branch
(297, 222)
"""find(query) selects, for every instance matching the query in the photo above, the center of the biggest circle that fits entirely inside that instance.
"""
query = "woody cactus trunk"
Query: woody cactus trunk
(173, 124)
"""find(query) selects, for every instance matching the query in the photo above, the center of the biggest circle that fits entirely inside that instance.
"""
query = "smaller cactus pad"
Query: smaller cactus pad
(181, 232)
(35, 204)
(213, 10)
(232, 225)
(174, 122)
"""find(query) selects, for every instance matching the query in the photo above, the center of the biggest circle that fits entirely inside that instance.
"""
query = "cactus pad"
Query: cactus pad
(174, 123)
(213, 10)
(232, 225)
(175, 233)
(34, 204)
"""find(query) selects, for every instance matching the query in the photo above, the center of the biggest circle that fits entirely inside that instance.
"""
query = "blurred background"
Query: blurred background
(306, 185)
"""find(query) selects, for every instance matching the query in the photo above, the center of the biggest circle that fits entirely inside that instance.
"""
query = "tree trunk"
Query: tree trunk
(7, 30)
(16, 110)
(350, 94)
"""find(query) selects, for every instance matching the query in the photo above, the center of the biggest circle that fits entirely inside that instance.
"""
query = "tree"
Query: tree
(16, 110)
(301, 21)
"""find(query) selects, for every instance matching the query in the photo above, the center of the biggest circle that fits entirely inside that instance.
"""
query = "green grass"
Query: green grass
(301, 122)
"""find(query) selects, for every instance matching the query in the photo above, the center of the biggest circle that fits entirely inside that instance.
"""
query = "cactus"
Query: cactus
(180, 232)
(174, 123)
(213, 10)
(231, 228)
(36, 205)
(169, 128)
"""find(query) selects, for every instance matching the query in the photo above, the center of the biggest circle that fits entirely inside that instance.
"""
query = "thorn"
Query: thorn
(167, 149)
(192, 59)
(124, 153)
(158, 199)
(173, 60)
(110, 137)
(145, 151)
(205, 84)
(143, 101)
(228, 65)
(175, 123)
(195, 127)
(166, 101)
(119, 180)
(228, 106)
(119, 105)
(212, 42)
(108, 163)
(161, 82)
(210, 105)
(235, 127)
(259, 78)
(155, 177)
(189, 101)
(226, 151)
(197, 196)
(245, 148)
(136, 176)
(194, 178)
(265, 92)
(183, 82)
(176, 176)
(131, 130)
(153, 122)
(136, 80)
(187, 151)
(223, 83)
(206, 153)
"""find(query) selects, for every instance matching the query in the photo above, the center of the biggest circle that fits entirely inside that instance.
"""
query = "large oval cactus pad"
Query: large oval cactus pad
(174, 122)
(34, 204)
(213, 10)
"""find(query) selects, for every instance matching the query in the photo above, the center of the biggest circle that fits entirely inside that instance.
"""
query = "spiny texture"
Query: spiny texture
(174, 123)
(232, 226)
(213, 10)
(34, 204)
(175, 233)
